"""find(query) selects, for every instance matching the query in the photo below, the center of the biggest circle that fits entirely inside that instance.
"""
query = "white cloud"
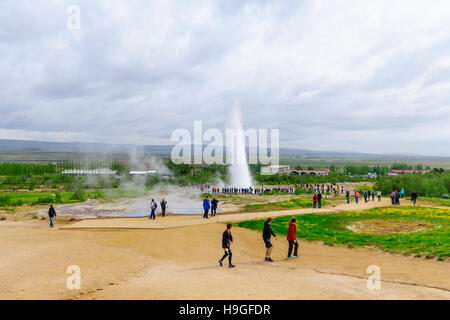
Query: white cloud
(331, 75)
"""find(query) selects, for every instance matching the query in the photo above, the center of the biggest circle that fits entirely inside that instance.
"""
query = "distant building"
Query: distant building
(394, 173)
(315, 172)
(93, 172)
(410, 171)
(142, 173)
(268, 170)
(391, 174)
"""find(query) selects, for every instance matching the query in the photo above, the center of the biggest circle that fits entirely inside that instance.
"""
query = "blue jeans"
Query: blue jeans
(152, 214)
(320, 203)
(356, 199)
(414, 201)
(315, 204)
(348, 199)
(51, 222)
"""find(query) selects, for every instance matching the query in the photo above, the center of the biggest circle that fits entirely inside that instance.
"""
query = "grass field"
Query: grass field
(332, 229)
(8, 199)
(437, 201)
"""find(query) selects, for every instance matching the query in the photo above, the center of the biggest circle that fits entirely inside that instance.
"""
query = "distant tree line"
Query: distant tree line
(433, 184)
(24, 169)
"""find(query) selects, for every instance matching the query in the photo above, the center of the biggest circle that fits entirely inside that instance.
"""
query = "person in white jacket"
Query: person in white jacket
(153, 207)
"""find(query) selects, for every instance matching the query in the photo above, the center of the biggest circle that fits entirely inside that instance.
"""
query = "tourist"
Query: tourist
(356, 197)
(379, 195)
(319, 200)
(368, 194)
(402, 193)
(393, 197)
(214, 203)
(163, 207)
(315, 200)
(227, 240)
(373, 196)
(347, 195)
(206, 207)
(365, 196)
(292, 238)
(414, 197)
(153, 207)
(397, 197)
(267, 233)
(51, 215)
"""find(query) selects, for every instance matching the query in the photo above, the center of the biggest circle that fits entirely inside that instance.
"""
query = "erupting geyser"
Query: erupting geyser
(239, 173)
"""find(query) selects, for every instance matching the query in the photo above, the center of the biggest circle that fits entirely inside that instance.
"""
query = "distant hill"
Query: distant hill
(28, 146)
(82, 147)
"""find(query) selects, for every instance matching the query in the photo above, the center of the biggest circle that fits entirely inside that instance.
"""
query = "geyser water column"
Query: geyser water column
(239, 173)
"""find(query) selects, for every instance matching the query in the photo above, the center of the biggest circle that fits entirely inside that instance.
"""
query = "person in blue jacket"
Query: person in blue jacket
(206, 207)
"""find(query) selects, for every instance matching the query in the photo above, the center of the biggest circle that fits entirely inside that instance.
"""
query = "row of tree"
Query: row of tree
(433, 184)
(24, 169)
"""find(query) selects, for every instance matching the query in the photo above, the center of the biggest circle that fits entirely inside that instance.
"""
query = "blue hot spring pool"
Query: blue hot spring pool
(169, 211)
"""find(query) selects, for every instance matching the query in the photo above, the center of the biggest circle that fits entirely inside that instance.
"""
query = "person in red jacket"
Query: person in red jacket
(292, 239)
(315, 199)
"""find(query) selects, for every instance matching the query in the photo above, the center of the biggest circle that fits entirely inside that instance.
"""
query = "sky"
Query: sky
(343, 75)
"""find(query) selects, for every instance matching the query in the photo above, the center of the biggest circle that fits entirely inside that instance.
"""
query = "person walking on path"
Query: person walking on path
(356, 197)
(347, 195)
(227, 240)
(292, 238)
(414, 197)
(402, 193)
(379, 195)
(153, 207)
(365, 196)
(397, 197)
(51, 215)
(267, 233)
(373, 196)
(163, 207)
(214, 203)
(319, 200)
(393, 197)
(206, 207)
(315, 200)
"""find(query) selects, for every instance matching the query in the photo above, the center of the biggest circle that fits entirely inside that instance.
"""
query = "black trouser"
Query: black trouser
(205, 215)
(293, 245)
(213, 211)
(163, 211)
(227, 254)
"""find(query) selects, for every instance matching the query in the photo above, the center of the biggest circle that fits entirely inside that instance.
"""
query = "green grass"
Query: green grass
(365, 187)
(331, 229)
(11, 199)
(437, 201)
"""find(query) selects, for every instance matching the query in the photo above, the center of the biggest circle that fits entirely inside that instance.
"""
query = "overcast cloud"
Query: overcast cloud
(346, 75)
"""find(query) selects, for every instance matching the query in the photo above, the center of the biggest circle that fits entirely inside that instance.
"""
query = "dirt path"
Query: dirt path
(181, 263)
(172, 221)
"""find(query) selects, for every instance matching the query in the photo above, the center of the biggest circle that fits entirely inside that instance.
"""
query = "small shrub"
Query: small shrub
(58, 198)
(79, 195)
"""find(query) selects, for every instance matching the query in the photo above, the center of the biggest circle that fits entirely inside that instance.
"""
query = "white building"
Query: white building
(269, 170)
(93, 172)
(142, 173)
